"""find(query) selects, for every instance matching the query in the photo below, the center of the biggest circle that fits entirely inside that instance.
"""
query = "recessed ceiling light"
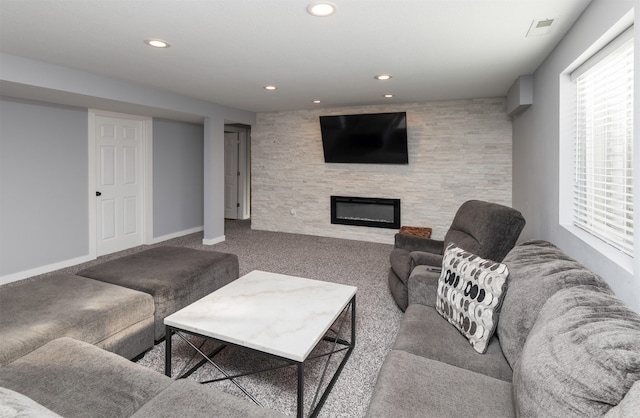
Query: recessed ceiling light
(382, 77)
(316, 101)
(157, 43)
(270, 87)
(321, 8)
(388, 96)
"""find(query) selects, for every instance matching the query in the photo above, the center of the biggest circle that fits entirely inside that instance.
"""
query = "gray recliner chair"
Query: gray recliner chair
(486, 229)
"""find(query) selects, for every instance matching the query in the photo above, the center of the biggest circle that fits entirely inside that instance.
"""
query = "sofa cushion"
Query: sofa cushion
(411, 386)
(537, 270)
(14, 404)
(582, 355)
(425, 333)
(76, 379)
(470, 292)
(190, 399)
(35, 311)
(174, 276)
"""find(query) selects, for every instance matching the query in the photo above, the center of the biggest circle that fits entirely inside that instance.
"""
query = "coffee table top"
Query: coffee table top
(273, 313)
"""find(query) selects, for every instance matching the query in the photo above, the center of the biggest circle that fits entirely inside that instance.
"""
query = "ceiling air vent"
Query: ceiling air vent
(540, 27)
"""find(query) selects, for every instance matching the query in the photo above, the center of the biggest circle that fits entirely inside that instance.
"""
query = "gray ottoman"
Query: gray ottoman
(174, 276)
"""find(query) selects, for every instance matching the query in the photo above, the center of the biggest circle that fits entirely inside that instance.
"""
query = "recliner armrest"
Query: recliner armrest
(415, 243)
(423, 286)
(433, 262)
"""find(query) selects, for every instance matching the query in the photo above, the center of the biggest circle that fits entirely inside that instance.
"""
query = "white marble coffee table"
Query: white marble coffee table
(275, 314)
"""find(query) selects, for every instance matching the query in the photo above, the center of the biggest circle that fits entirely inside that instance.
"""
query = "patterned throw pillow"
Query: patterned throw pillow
(470, 293)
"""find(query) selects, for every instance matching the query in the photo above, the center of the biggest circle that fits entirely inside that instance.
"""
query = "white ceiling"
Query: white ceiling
(225, 51)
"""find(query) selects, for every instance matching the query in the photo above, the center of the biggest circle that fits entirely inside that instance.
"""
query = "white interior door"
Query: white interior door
(231, 174)
(119, 183)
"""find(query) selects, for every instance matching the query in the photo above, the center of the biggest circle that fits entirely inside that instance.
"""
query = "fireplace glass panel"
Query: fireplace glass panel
(365, 212)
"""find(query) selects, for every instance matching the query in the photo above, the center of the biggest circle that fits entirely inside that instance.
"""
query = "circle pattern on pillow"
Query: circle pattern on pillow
(470, 293)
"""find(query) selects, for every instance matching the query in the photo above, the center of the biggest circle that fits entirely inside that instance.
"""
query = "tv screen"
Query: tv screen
(378, 138)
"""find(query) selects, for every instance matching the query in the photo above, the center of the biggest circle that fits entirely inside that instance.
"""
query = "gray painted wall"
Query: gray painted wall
(178, 177)
(536, 149)
(53, 83)
(43, 185)
(44, 219)
(458, 150)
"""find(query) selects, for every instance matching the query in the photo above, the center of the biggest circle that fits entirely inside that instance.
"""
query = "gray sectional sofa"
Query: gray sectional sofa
(565, 346)
(119, 305)
(70, 378)
(66, 339)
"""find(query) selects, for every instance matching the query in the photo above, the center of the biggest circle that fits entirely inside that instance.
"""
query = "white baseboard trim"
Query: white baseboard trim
(212, 241)
(44, 269)
(13, 277)
(177, 234)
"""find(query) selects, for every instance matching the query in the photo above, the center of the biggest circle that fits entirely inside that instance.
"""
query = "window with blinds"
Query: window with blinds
(603, 184)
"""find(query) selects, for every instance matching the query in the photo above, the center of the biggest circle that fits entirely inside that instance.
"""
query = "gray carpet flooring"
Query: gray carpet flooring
(357, 263)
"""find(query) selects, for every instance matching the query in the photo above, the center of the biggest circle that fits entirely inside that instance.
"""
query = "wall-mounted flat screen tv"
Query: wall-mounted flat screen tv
(378, 138)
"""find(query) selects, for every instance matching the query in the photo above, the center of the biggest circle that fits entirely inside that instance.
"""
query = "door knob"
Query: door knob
(98, 194)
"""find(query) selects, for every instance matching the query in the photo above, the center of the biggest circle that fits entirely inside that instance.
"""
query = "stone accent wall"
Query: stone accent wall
(458, 150)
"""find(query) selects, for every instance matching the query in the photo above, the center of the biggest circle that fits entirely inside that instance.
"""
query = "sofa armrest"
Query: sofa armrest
(423, 286)
(415, 243)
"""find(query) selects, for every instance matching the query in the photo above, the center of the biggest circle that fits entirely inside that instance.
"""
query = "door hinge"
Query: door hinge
(238, 205)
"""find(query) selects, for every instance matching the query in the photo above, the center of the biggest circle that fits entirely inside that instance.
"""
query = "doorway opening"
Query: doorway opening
(237, 171)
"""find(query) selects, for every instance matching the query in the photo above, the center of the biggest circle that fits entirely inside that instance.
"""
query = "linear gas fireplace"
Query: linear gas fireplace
(365, 211)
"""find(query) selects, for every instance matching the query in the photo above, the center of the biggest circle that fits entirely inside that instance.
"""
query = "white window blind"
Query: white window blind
(603, 186)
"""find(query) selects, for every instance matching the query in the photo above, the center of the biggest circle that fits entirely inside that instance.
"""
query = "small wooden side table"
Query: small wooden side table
(416, 230)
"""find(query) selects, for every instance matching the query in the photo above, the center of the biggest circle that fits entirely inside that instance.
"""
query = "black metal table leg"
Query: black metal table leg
(300, 412)
(315, 407)
(167, 352)
(353, 321)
